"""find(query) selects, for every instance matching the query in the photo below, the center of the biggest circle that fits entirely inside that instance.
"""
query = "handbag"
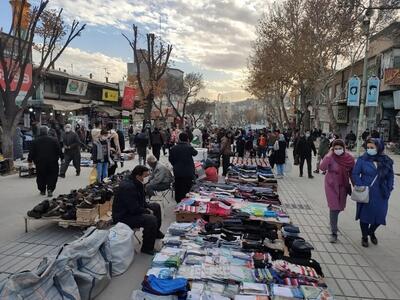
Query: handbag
(360, 194)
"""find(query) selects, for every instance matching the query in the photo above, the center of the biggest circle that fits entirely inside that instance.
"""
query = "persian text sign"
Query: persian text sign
(110, 95)
(129, 98)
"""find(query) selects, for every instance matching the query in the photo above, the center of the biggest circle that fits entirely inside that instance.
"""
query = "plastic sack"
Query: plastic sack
(122, 249)
(93, 176)
(52, 279)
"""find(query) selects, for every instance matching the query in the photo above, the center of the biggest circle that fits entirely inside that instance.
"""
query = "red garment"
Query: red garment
(211, 174)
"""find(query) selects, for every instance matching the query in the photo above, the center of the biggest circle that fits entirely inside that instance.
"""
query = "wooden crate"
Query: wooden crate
(104, 209)
(87, 215)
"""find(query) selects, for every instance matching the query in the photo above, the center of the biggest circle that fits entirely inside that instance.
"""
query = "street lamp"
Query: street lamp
(361, 116)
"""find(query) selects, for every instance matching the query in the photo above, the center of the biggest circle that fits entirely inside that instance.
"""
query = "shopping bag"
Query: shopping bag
(288, 165)
(122, 249)
(93, 176)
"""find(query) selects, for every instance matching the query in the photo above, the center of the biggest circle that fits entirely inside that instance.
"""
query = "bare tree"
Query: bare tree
(156, 58)
(178, 92)
(198, 109)
(16, 59)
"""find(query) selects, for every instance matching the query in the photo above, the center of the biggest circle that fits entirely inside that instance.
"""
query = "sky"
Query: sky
(212, 37)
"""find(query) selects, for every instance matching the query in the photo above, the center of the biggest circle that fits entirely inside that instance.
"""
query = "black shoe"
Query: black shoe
(77, 173)
(301, 175)
(364, 242)
(42, 193)
(49, 193)
(85, 204)
(34, 214)
(70, 214)
(61, 175)
(55, 213)
(316, 171)
(373, 238)
(148, 251)
(160, 235)
(310, 176)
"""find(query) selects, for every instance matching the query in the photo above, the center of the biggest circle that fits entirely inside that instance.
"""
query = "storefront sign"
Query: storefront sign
(26, 82)
(396, 99)
(110, 95)
(128, 99)
(353, 91)
(340, 112)
(76, 87)
(125, 113)
(392, 76)
(372, 92)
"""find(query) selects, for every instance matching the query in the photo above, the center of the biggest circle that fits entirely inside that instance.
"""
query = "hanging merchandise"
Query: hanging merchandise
(372, 91)
(353, 92)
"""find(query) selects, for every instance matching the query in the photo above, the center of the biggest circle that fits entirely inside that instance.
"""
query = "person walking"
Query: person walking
(156, 142)
(181, 159)
(338, 164)
(280, 155)
(304, 148)
(141, 142)
(18, 144)
(131, 136)
(375, 170)
(101, 155)
(323, 149)
(72, 151)
(96, 131)
(44, 153)
(262, 144)
(226, 152)
(240, 143)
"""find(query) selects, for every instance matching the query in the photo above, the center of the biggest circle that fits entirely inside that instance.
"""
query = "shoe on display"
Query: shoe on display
(373, 238)
(85, 204)
(333, 238)
(43, 193)
(61, 175)
(148, 251)
(34, 214)
(49, 193)
(70, 214)
(54, 213)
(364, 242)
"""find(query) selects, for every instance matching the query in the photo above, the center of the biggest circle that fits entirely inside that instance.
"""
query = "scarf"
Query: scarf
(346, 163)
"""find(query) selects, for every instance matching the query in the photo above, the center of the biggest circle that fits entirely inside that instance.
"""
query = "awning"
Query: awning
(60, 105)
(108, 110)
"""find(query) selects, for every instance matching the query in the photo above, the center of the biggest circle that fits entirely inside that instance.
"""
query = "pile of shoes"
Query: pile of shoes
(64, 206)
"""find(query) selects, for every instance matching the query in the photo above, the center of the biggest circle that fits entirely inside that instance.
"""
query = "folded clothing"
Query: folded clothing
(157, 286)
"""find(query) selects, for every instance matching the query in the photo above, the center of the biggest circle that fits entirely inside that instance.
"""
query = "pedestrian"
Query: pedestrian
(189, 134)
(115, 148)
(18, 144)
(141, 142)
(323, 149)
(101, 155)
(181, 159)
(156, 142)
(262, 144)
(44, 153)
(226, 152)
(130, 207)
(280, 155)
(72, 151)
(365, 134)
(240, 143)
(338, 164)
(304, 148)
(248, 146)
(96, 131)
(295, 141)
(205, 136)
(131, 136)
(375, 170)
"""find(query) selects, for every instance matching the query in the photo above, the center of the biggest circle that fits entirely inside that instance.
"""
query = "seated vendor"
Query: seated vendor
(210, 171)
(131, 208)
(160, 178)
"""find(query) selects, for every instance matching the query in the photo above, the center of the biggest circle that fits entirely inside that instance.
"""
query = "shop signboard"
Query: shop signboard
(392, 76)
(128, 100)
(373, 91)
(110, 95)
(26, 82)
(353, 91)
(76, 87)
(396, 99)
(341, 112)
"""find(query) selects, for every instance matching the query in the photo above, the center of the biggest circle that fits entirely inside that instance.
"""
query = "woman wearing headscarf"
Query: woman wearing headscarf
(280, 155)
(338, 164)
(375, 170)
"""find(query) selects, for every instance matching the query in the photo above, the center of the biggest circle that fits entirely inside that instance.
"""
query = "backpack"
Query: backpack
(263, 141)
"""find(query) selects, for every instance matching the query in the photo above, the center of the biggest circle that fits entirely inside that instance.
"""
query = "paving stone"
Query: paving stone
(389, 292)
(346, 288)
(333, 286)
(329, 246)
(373, 274)
(348, 272)
(337, 257)
(349, 260)
(339, 246)
(319, 246)
(335, 271)
(350, 249)
(374, 290)
(360, 272)
(360, 288)
(360, 260)
(327, 259)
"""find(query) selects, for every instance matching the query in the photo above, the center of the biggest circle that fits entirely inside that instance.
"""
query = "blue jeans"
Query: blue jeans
(279, 169)
(102, 171)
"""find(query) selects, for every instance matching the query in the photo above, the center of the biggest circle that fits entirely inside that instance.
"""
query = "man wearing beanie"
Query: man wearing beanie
(181, 159)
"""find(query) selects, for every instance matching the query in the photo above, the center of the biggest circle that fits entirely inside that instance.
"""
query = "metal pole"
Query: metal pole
(361, 115)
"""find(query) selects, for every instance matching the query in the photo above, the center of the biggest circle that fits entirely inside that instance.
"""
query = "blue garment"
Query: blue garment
(158, 286)
(280, 169)
(363, 174)
(102, 171)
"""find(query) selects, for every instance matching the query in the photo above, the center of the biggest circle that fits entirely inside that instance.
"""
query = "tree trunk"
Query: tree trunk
(332, 119)
(7, 143)
(148, 105)
(285, 116)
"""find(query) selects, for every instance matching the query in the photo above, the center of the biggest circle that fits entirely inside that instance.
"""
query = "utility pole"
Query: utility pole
(361, 117)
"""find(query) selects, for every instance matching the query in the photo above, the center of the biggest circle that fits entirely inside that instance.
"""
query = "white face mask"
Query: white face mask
(338, 152)
(67, 129)
(146, 180)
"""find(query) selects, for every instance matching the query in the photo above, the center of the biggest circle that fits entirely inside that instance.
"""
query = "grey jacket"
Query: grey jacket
(160, 175)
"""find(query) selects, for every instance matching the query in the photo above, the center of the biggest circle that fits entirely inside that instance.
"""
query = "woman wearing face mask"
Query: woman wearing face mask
(338, 164)
(373, 169)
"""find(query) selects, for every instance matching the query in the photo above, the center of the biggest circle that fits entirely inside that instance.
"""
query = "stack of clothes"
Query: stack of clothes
(258, 175)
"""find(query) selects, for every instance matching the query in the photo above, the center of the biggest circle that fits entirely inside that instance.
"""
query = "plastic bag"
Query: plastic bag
(122, 250)
(93, 176)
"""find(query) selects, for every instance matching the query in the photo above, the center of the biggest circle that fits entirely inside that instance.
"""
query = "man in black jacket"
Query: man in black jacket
(304, 147)
(45, 152)
(181, 159)
(156, 141)
(72, 151)
(131, 208)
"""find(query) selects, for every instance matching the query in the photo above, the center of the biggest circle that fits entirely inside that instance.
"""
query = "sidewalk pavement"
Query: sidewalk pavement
(352, 272)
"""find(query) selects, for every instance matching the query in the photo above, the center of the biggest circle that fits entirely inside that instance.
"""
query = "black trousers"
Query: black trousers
(368, 229)
(75, 157)
(150, 223)
(182, 187)
(225, 164)
(308, 159)
(156, 151)
(46, 176)
(112, 169)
